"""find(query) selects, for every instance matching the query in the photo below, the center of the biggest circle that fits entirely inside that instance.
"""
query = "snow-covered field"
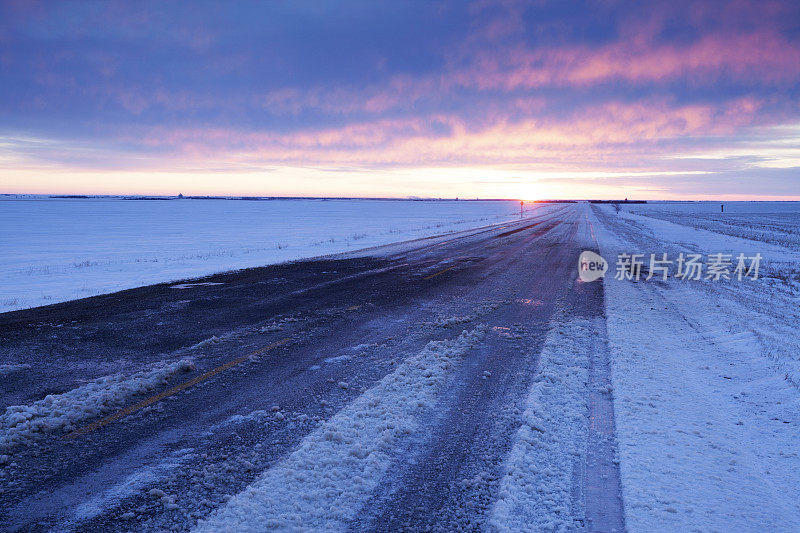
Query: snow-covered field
(706, 373)
(55, 250)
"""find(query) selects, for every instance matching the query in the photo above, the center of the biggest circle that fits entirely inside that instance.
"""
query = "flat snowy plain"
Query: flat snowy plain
(706, 374)
(466, 403)
(57, 249)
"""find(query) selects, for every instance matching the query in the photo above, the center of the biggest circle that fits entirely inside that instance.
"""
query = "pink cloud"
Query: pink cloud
(761, 57)
(767, 56)
(585, 137)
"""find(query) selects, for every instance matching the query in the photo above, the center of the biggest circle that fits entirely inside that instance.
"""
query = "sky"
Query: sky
(506, 99)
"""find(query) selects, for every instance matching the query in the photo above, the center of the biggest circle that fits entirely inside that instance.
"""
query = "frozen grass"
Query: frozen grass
(768, 222)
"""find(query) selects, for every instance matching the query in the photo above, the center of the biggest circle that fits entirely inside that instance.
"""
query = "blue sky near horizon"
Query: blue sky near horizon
(695, 100)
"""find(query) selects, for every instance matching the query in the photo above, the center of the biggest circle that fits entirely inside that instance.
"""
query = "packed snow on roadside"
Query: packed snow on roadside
(324, 483)
(536, 492)
(62, 249)
(706, 393)
(58, 413)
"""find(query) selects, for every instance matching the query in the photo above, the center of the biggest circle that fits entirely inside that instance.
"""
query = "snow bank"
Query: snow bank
(62, 412)
(324, 483)
(536, 491)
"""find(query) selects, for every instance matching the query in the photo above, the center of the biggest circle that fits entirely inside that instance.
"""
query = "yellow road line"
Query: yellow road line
(165, 394)
(440, 272)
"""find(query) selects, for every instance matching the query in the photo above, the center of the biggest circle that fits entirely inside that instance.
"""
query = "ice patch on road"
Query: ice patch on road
(338, 359)
(132, 483)
(62, 412)
(8, 369)
(325, 482)
(536, 491)
(197, 284)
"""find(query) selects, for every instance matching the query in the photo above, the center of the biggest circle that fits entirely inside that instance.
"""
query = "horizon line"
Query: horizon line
(410, 198)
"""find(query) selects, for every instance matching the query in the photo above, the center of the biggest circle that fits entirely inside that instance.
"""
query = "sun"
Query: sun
(529, 193)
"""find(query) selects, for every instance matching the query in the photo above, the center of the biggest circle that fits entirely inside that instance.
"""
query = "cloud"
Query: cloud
(759, 59)
(538, 87)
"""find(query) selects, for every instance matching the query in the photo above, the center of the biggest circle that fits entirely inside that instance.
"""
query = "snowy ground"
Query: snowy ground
(705, 373)
(62, 249)
(468, 382)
